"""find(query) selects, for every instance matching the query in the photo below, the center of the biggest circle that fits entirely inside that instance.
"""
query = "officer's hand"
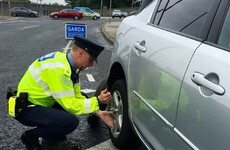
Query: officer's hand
(105, 116)
(105, 97)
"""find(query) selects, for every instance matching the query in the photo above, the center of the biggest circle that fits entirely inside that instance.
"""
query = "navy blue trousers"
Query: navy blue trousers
(50, 124)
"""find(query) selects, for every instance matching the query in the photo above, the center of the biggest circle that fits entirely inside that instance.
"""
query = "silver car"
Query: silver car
(169, 76)
(116, 13)
(23, 12)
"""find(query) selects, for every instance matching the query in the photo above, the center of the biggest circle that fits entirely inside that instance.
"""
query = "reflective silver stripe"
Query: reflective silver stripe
(51, 66)
(87, 106)
(35, 74)
(64, 94)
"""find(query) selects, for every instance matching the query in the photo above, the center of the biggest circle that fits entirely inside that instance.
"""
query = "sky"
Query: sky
(50, 1)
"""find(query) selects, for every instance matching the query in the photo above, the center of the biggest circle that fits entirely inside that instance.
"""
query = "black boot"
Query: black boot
(30, 142)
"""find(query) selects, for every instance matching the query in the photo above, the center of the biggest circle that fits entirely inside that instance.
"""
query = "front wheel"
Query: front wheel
(122, 135)
(94, 17)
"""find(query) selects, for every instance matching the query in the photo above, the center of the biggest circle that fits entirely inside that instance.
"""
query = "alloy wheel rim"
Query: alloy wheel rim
(117, 106)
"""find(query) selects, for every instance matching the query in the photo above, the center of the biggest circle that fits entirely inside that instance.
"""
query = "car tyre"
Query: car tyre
(94, 17)
(14, 14)
(122, 135)
(92, 119)
(55, 16)
(75, 17)
(101, 87)
(32, 15)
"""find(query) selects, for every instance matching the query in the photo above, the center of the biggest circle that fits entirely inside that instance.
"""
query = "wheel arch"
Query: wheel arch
(116, 72)
(32, 15)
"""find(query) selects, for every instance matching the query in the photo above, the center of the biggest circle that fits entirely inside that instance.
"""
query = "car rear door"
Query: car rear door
(70, 13)
(161, 52)
(20, 11)
(203, 114)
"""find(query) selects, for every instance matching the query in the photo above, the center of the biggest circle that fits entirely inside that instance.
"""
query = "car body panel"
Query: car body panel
(67, 13)
(177, 82)
(117, 13)
(124, 14)
(150, 75)
(88, 13)
(23, 12)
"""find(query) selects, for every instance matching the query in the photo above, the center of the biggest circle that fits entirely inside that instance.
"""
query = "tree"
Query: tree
(20, 0)
(96, 4)
(56, 4)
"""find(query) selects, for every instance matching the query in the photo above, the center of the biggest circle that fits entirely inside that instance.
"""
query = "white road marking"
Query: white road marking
(90, 77)
(30, 27)
(107, 145)
(12, 21)
(88, 90)
(67, 47)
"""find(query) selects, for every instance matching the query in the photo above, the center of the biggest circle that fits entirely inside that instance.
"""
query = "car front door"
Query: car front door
(158, 62)
(24, 12)
(88, 13)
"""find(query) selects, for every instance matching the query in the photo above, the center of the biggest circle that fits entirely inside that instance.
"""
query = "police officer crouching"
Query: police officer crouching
(54, 79)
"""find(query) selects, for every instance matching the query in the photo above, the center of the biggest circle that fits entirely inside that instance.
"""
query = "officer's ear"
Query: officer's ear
(79, 50)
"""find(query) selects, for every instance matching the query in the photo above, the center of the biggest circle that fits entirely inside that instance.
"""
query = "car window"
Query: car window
(185, 16)
(23, 9)
(117, 11)
(160, 11)
(88, 10)
(224, 38)
(144, 3)
(78, 9)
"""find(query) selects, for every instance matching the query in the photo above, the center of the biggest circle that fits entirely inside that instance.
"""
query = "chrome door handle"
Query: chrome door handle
(140, 46)
(200, 80)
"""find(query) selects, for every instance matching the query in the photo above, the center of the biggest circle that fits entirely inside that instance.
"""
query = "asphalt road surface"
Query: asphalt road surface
(26, 39)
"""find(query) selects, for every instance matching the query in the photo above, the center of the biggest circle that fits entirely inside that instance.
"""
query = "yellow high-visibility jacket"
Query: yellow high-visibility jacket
(48, 80)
